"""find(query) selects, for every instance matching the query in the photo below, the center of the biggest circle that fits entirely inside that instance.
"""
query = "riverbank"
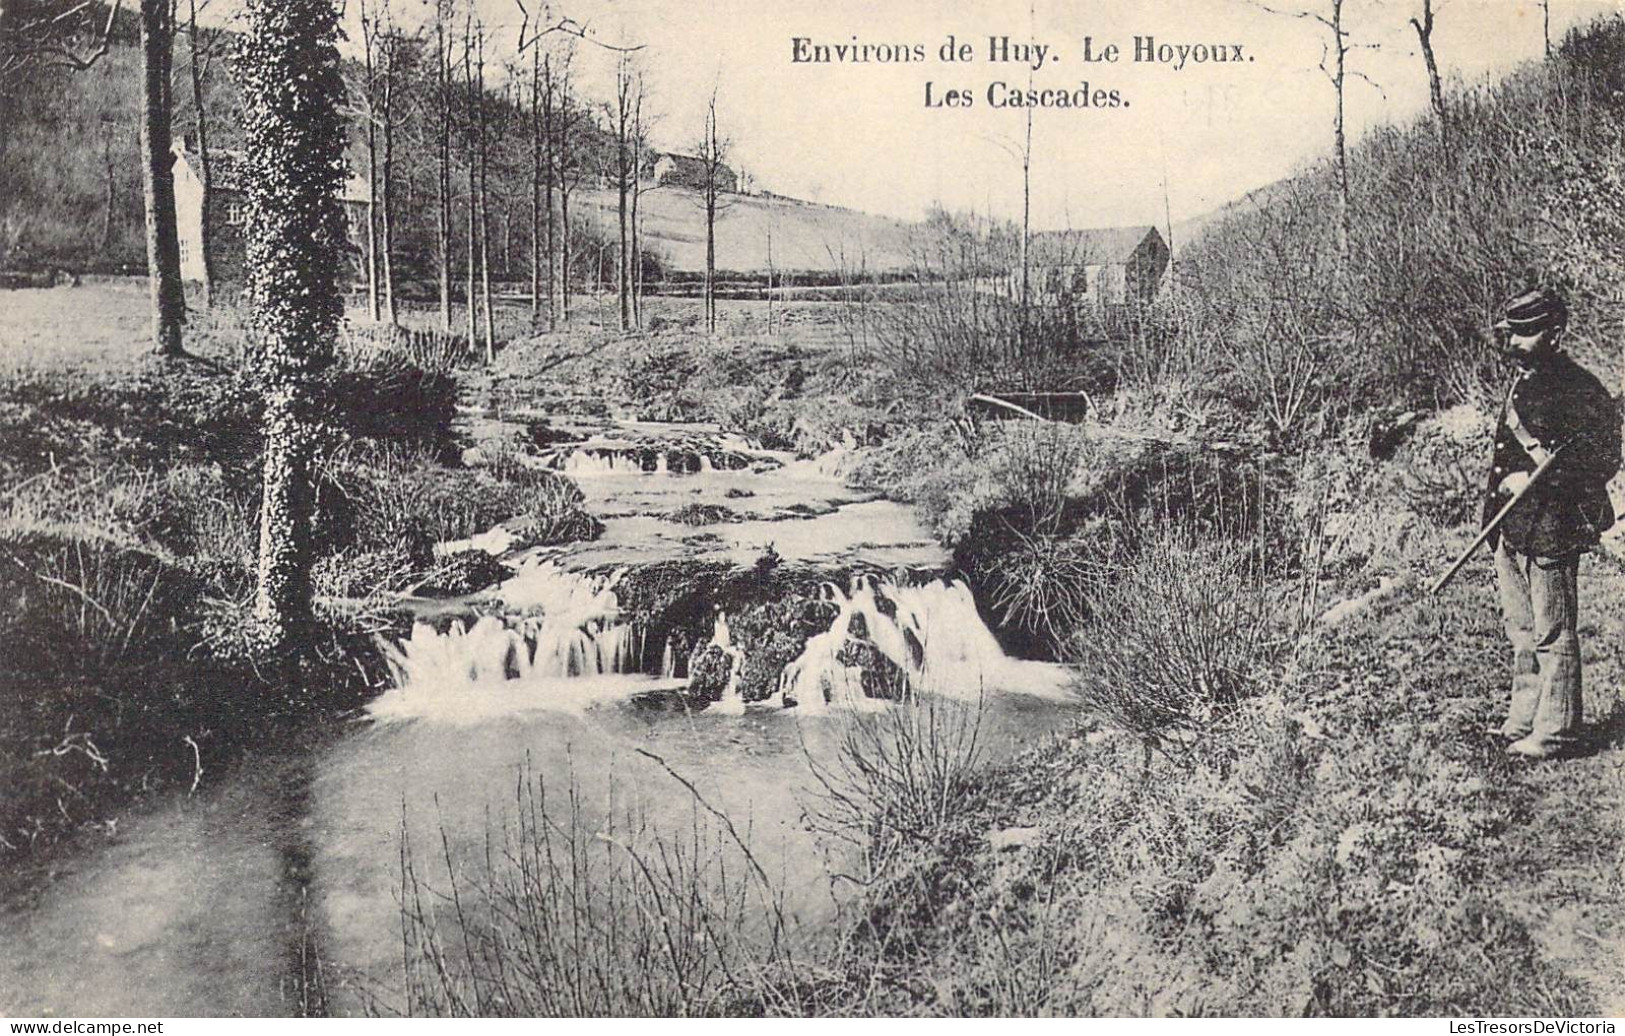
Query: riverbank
(128, 542)
(1352, 842)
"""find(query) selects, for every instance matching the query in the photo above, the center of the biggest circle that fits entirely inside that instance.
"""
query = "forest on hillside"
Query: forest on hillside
(70, 163)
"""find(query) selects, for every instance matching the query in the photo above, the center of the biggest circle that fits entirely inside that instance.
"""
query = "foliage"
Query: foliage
(1177, 638)
(1337, 847)
(1524, 187)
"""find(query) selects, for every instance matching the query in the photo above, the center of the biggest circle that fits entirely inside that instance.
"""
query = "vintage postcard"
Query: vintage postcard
(628, 508)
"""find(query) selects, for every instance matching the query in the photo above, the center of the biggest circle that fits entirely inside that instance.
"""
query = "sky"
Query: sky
(1180, 142)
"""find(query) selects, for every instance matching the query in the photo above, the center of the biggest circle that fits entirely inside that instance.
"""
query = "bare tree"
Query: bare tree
(539, 163)
(1424, 36)
(1334, 63)
(443, 122)
(713, 155)
(205, 231)
(637, 194)
(625, 174)
(294, 132)
(471, 100)
(365, 104)
(482, 153)
(76, 37)
(568, 173)
(157, 177)
(392, 52)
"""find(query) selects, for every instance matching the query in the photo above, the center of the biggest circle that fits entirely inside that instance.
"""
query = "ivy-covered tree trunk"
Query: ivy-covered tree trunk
(295, 245)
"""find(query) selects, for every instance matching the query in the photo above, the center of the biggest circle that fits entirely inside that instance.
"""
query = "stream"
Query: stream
(274, 888)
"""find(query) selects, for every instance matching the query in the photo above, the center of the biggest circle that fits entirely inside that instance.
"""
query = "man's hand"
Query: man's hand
(1515, 483)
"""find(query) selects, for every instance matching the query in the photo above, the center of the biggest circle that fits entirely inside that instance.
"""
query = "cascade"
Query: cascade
(560, 642)
(935, 637)
(732, 702)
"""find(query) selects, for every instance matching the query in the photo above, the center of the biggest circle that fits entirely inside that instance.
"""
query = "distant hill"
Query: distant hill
(806, 237)
(1189, 231)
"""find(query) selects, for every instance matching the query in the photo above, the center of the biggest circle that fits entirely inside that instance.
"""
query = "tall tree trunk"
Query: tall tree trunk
(158, 180)
(443, 166)
(294, 135)
(536, 176)
(637, 192)
(482, 152)
(565, 162)
(205, 229)
(1340, 52)
(713, 159)
(623, 156)
(551, 162)
(367, 39)
(1026, 230)
(473, 173)
(386, 184)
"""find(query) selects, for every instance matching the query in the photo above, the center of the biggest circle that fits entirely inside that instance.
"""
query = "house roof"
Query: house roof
(1106, 246)
(228, 171)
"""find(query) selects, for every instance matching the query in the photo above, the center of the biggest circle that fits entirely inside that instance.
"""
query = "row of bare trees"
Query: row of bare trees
(435, 125)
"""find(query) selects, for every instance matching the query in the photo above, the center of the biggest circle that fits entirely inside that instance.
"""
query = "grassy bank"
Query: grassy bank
(129, 539)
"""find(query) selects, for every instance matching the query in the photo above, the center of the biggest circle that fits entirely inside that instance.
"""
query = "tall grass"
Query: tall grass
(573, 911)
(896, 775)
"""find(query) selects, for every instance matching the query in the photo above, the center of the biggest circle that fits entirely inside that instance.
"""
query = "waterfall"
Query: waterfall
(588, 462)
(560, 644)
(935, 637)
(732, 702)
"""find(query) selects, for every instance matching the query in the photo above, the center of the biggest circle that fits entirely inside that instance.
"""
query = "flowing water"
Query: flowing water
(274, 888)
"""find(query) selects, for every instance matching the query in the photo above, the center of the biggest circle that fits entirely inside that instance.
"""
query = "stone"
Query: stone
(1012, 838)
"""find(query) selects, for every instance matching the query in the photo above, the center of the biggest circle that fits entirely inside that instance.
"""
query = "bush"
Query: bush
(702, 514)
(899, 775)
(1177, 638)
(1441, 472)
(374, 497)
(551, 512)
(1043, 582)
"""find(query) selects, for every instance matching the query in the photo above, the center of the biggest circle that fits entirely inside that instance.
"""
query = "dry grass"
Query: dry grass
(568, 916)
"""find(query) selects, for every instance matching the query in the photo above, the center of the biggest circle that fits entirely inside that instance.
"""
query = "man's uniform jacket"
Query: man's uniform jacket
(1557, 403)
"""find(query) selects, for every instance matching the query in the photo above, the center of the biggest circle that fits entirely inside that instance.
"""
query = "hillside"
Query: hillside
(805, 236)
(70, 187)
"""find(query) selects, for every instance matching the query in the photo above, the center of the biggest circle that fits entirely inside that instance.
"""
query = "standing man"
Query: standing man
(1553, 406)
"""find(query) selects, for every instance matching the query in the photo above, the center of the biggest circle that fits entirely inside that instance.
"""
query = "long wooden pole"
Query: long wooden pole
(1494, 523)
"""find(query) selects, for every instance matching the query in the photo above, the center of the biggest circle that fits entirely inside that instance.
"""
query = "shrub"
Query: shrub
(1042, 584)
(373, 497)
(578, 914)
(1442, 465)
(1034, 468)
(1177, 638)
(551, 512)
(898, 775)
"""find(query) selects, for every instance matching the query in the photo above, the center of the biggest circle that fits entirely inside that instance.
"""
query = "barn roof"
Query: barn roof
(228, 171)
(1106, 246)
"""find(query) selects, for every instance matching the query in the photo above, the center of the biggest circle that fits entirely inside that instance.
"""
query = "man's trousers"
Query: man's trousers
(1539, 605)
